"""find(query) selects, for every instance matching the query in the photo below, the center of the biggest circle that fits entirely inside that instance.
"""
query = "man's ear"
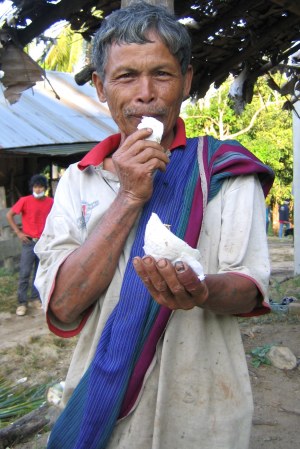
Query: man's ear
(187, 82)
(99, 87)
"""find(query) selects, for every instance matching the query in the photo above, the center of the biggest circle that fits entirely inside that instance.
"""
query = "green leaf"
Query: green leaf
(18, 400)
(259, 355)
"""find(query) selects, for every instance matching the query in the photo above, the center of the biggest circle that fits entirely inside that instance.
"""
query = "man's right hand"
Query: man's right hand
(135, 162)
(23, 237)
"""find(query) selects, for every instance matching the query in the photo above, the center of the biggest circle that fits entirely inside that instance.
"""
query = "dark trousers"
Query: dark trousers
(28, 265)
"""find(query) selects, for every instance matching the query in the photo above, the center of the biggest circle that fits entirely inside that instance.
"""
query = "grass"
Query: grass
(8, 291)
(40, 362)
(278, 290)
(43, 359)
(289, 287)
(17, 400)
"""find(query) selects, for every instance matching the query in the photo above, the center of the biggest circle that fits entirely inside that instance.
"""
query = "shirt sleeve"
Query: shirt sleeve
(63, 234)
(18, 206)
(234, 237)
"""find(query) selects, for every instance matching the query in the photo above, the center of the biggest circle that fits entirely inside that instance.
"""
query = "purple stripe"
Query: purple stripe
(144, 361)
(196, 215)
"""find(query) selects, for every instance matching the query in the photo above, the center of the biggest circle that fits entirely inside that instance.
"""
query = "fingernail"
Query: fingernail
(147, 260)
(179, 267)
(162, 263)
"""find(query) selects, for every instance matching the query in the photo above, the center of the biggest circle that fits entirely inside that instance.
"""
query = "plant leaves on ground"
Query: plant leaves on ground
(18, 400)
(259, 355)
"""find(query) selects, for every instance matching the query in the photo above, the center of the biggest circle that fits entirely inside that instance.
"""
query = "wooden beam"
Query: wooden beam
(28, 425)
(292, 6)
(252, 49)
(48, 15)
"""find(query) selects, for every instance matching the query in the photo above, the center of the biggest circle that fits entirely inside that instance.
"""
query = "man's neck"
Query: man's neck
(109, 165)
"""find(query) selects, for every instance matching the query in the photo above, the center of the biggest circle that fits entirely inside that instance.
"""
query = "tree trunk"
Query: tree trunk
(28, 425)
(169, 4)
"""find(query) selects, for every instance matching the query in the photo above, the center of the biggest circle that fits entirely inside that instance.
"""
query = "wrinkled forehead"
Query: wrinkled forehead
(151, 35)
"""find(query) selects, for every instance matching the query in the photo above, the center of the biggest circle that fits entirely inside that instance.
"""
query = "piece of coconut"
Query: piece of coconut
(156, 126)
(160, 242)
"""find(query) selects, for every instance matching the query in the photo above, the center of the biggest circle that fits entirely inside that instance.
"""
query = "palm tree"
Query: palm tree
(68, 52)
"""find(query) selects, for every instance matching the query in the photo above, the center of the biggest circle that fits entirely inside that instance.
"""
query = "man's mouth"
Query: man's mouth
(140, 116)
(137, 114)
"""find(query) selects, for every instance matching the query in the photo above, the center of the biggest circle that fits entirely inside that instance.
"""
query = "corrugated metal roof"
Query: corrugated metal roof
(65, 149)
(39, 118)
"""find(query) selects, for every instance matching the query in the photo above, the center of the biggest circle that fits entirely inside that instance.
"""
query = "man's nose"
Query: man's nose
(146, 90)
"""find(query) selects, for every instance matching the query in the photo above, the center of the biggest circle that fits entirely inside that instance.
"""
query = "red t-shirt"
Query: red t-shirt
(34, 213)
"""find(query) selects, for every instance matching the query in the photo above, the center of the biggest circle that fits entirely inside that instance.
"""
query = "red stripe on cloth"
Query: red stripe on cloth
(137, 377)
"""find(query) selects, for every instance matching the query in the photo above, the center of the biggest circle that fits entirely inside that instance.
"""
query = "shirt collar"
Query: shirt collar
(97, 154)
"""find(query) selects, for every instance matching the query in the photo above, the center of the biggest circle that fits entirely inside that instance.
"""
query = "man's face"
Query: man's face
(38, 191)
(143, 80)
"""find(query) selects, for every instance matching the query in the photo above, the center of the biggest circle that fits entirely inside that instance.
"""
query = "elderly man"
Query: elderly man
(159, 361)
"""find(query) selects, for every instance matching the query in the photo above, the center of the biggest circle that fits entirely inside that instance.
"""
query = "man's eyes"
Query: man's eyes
(162, 73)
(158, 74)
(126, 75)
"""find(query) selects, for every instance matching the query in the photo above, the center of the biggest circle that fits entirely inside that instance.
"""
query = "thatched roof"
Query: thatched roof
(229, 36)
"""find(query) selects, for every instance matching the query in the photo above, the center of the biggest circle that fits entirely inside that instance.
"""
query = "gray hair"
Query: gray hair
(132, 25)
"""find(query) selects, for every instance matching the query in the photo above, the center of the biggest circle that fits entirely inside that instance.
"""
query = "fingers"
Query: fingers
(141, 150)
(141, 153)
(175, 287)
(23, 237)
(135, 166)
(155, 283)
(132, 139)
(192, 284)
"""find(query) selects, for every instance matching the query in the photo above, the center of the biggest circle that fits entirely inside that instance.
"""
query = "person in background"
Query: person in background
(34, 210)
(284, 217)
(160, 362)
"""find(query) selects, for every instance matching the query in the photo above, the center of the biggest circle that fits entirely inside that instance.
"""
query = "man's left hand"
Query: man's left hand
(175, 287)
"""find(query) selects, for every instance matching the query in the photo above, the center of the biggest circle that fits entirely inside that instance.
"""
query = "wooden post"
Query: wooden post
(28, 425)
(296, 187)
(2, 198)
(10, 245)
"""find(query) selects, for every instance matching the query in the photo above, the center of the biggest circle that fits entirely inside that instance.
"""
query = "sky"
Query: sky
(5, 10)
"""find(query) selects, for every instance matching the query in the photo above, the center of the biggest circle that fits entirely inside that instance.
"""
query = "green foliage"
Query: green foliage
(18, 400)
(263, 127)
(259, 355)
(66, 53)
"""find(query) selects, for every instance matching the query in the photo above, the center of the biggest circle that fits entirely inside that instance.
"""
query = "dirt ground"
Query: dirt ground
(276, 392)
